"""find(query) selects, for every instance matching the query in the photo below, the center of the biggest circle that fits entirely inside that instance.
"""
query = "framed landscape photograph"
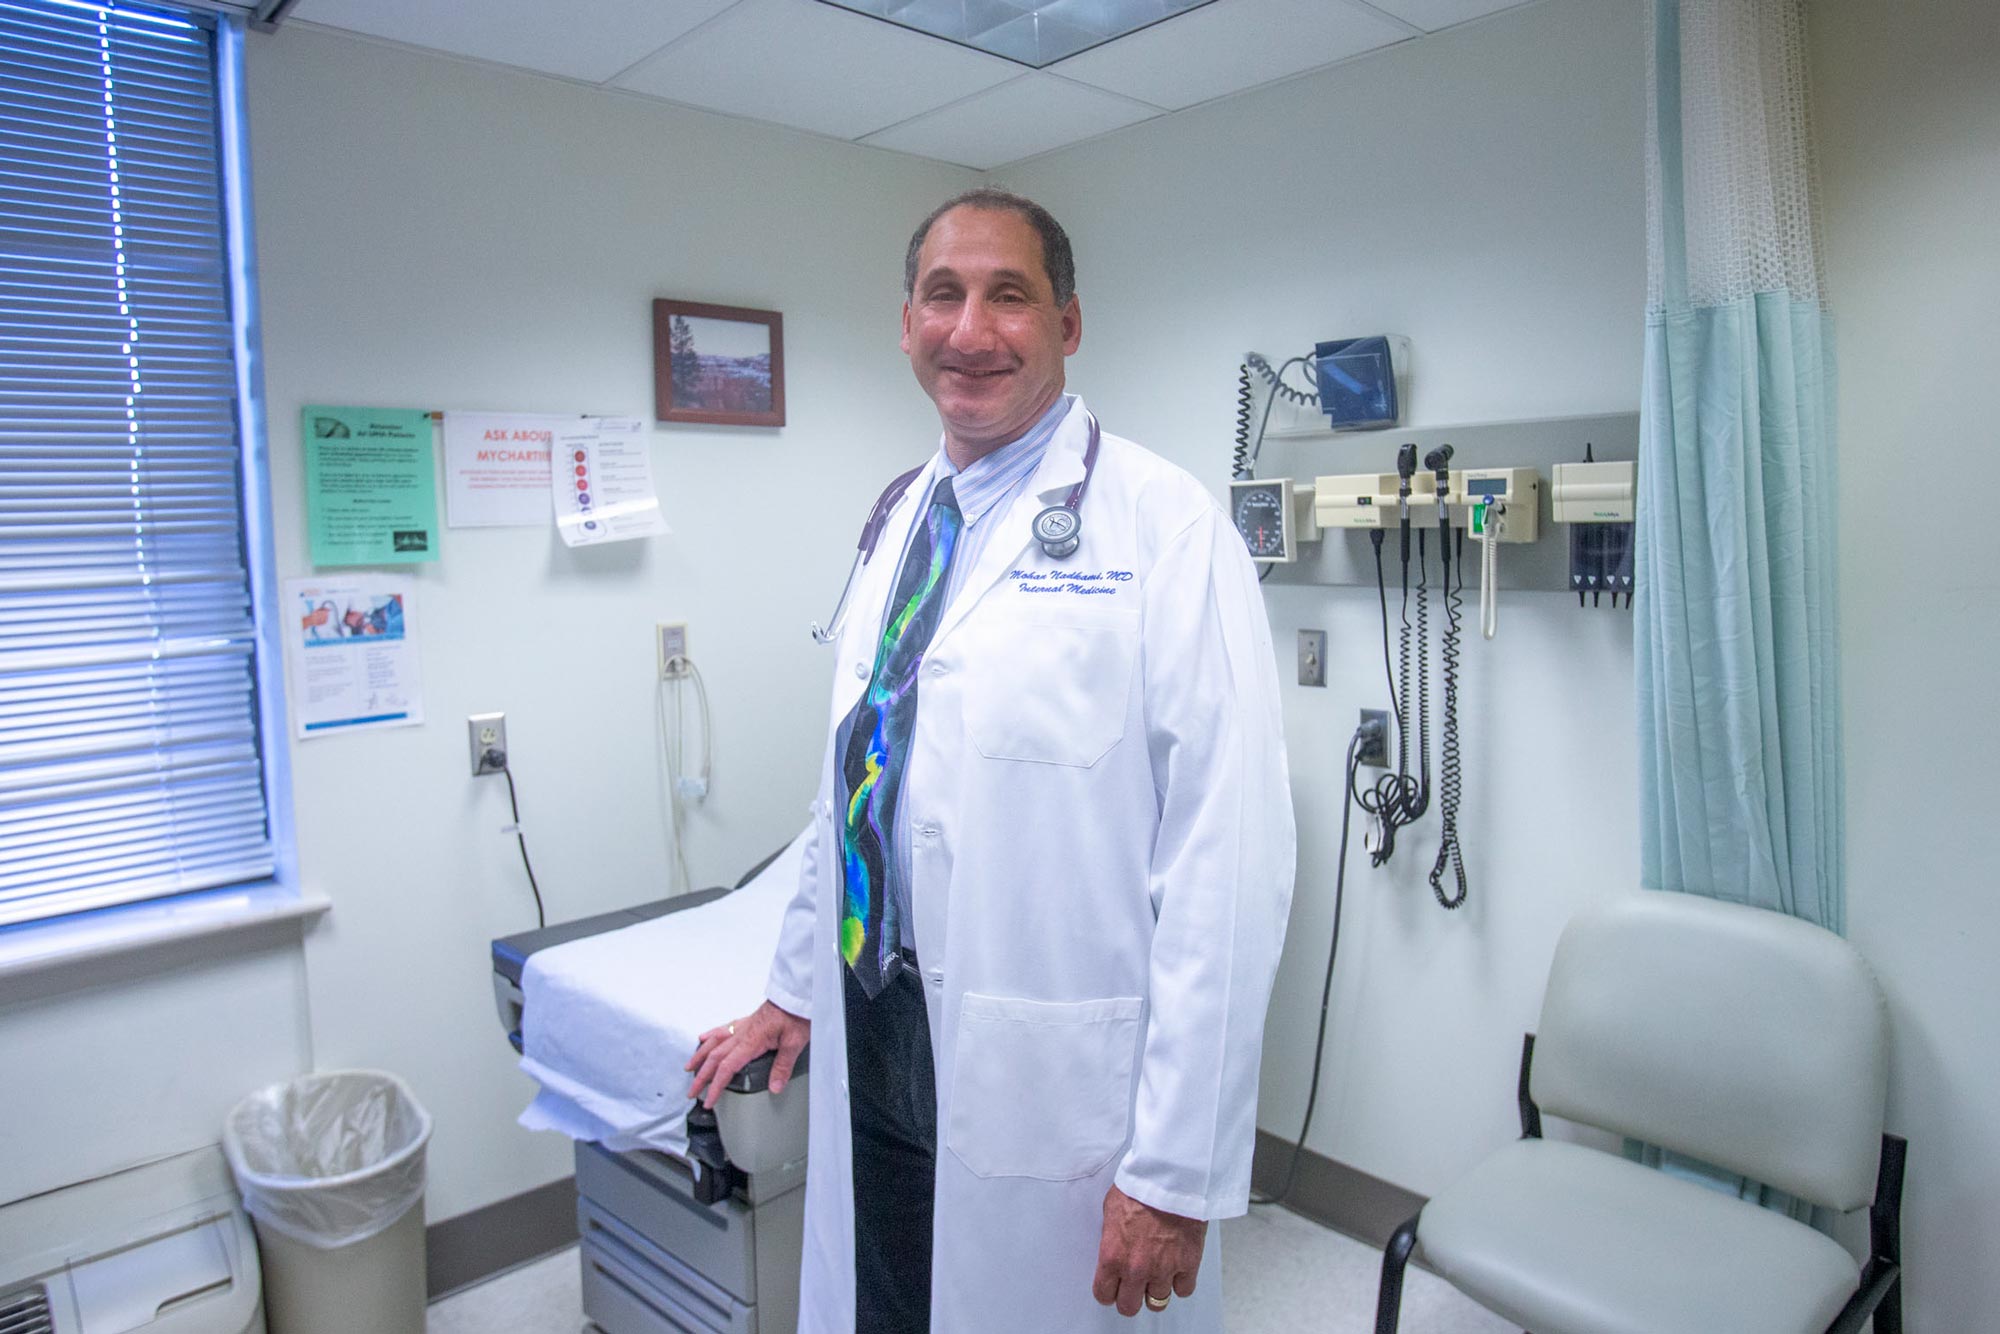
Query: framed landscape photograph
(718, 365)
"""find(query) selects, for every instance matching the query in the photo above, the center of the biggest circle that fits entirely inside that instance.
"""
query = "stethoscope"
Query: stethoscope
(1059, 528)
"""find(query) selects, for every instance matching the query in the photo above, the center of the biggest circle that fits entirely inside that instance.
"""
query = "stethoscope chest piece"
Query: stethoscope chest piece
(1059, 529)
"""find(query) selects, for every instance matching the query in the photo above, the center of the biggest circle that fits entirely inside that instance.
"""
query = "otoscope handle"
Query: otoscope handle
(1406, 468)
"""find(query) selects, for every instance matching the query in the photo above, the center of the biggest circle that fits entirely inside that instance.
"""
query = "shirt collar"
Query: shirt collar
(981, 484)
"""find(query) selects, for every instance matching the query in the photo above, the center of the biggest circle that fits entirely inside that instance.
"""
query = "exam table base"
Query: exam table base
(656, 1260)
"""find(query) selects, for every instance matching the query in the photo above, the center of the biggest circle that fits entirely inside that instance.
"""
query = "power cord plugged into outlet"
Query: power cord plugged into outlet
(1372, 739)
(488, 735)
(1349, 799)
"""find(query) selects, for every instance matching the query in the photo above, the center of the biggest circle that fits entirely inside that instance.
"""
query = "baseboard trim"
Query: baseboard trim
(475, 1246)
(1344, 1198)
(508, 1233)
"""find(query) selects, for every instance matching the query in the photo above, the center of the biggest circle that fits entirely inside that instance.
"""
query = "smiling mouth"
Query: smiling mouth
(979, 374)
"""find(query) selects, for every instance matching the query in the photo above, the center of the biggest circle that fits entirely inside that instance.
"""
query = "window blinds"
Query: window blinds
(129, 764)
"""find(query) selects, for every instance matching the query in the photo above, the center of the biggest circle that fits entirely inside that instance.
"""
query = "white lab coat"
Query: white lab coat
(1101, 869)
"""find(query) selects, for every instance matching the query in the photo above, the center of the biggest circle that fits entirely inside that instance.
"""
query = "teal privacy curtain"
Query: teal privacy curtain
(1739, 690)
(1738, 680)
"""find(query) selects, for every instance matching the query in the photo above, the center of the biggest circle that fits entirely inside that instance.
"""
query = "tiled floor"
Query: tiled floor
(1280, 1273)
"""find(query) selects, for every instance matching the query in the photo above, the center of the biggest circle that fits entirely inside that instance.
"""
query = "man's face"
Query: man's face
(982, 328)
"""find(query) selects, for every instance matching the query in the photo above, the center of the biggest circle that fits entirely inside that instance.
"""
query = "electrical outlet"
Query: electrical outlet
(1312, 657)
(671, 639)
(487, 733)
(1374, 748)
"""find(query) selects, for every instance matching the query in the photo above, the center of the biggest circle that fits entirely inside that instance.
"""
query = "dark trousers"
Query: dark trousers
(892, 1109)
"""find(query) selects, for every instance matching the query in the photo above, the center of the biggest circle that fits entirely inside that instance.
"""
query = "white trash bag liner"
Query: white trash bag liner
(329, 1159)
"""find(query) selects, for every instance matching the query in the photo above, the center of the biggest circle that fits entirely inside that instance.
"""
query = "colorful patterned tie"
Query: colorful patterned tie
(875, 745)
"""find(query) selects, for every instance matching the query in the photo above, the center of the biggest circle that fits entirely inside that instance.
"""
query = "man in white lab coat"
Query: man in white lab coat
(1037, 926)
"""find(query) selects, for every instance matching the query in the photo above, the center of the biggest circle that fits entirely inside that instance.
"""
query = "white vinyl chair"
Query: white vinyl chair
(1743, 1038)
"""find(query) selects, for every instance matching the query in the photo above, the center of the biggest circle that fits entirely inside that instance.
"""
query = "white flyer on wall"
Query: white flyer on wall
(497, 468)
(603, 482)
(353, 653)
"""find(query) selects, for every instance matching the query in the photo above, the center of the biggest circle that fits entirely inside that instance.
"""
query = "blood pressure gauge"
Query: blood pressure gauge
(1262, 509)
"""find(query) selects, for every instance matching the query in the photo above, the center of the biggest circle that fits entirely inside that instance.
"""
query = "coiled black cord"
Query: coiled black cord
(1450, 785)
(1305, 398)
(1243, 464)
(1349, 799)
(1396, 687)
(1423, 655)
(1239, 463)
(1401, 798)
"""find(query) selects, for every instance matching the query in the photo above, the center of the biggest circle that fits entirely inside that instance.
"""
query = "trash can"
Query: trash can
(331, 1168)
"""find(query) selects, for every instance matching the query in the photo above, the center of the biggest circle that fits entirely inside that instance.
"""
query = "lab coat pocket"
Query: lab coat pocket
(1039, 1088)
(1066, 682)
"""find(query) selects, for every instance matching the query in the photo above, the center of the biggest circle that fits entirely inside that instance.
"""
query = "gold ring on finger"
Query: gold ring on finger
(1156, 1303)
(732, 1030)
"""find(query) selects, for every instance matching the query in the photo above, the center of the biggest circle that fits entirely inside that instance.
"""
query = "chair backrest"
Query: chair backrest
(1746, 1038)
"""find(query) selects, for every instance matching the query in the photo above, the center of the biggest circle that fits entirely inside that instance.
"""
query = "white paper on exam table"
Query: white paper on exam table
(609, 1021)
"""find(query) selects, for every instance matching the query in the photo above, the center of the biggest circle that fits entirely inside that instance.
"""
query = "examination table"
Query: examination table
(703, 1240)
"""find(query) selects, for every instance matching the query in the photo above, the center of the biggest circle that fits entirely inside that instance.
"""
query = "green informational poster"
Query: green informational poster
(371, 486)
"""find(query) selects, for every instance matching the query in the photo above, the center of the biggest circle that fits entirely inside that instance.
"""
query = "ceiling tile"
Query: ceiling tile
(1031, 115)
(1034, 32)
(815, 67)
(578, 39)
(1430, 15)
(1229, 46)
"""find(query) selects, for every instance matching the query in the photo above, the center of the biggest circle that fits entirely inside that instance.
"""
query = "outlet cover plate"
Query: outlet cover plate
(671, 638)
(483, 732)
(1375, 754)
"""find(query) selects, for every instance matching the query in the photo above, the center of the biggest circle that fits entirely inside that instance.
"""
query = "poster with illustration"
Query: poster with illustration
(353, 653)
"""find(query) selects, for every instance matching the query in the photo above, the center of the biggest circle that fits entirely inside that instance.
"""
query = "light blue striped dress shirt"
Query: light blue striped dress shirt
(986, 490)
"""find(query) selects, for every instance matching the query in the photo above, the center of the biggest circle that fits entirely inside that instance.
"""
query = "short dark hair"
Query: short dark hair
(1057, 259)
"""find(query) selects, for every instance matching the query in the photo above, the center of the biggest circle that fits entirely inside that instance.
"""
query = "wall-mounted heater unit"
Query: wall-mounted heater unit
(159, 1249)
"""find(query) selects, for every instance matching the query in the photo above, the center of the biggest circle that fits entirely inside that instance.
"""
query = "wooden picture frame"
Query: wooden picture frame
(739, 383)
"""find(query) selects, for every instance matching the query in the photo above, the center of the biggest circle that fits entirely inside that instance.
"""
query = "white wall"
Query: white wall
(1482, 192)
(438, 234)
(1908, 101)
(117, 1063)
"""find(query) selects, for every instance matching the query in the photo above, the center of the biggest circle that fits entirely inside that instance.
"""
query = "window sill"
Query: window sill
(35, 947)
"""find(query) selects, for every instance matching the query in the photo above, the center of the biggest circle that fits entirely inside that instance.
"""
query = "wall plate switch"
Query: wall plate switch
(486, 732)
(1374, 751)
(671, 640)
(1312, 657)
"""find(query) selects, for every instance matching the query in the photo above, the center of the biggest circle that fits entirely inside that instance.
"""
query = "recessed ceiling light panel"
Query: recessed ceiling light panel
(1029, 32)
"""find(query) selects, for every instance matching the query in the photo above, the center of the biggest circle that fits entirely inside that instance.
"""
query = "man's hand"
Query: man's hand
(1145, 1252)
(724, 1051)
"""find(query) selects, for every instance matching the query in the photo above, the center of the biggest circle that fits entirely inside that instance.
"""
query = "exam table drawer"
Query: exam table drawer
(645, 1193)
(631, 1287)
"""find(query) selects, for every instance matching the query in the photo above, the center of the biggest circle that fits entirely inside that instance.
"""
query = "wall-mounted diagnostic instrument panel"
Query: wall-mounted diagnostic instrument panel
(1509, 480)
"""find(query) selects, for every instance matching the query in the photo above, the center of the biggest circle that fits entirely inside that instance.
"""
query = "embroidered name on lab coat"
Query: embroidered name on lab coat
(1072, 582)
